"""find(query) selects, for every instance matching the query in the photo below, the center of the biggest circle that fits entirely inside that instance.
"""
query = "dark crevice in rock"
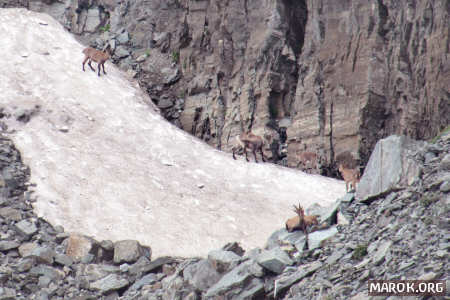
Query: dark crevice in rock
(332, 164)
(297, 16)
(383, 14)
(372, 125)
(355, 54)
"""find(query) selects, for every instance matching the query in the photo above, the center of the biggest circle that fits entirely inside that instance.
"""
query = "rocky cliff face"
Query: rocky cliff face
(335, 76)
(370, 69)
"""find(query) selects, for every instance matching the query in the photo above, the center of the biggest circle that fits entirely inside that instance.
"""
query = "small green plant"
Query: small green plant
(147, 52)
(105, 28)
(443, 132)
(359, 252)
(175, 56)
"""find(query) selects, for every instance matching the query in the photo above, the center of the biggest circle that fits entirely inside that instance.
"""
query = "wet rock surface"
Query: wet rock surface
(402, 234)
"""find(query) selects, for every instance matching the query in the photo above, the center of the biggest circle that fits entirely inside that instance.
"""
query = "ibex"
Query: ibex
(252, 142)
(308, 160)
(100, 57)
(301, 221)
(350, 176)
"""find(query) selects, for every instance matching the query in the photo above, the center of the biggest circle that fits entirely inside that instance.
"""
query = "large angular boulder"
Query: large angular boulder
(129, 251)
(110, 283)
(201, 275)
(274, 260)
(236, 278)
(391, 166)
(222, 260)
(316, 238)
(78, 246)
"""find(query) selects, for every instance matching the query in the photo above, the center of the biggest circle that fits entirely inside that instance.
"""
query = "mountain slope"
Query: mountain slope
(106, 164)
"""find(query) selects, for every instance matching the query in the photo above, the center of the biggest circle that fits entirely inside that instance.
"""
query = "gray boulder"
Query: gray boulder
(201, 275)
(237, 277)
(121, 52)
(123, 38)
(282, 237)
(146, 280)
(63, 260)
(52, 273)
(254, 290)
(445, 163)
(274, 260)
(8, 245)
(391, 166)
(26, 228)
(78, 246)
(91, 272)
(284, 282)
(129, 251)
(381, 253)
(7, 293)
(110, 283)
(170, 75)
(222, 260)
(317, 237)
(92, 20)
(10, 213)
(43, 255)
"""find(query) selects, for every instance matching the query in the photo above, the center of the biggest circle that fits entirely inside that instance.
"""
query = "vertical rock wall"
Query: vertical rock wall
(378, 68)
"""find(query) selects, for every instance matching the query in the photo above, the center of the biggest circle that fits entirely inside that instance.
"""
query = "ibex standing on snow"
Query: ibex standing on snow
(252, 142)
(307, 160)
(100, 57)
(351, 176)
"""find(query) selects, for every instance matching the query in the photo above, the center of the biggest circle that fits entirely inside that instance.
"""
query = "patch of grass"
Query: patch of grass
(445, 131)
(175, 56)
(147, 52)
(105, 28)
(428, 199)
(359, 252)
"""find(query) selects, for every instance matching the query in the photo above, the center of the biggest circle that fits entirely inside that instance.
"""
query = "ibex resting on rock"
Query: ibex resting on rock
(250, 141)
(351, 176)
(100, 57)
(301, 221)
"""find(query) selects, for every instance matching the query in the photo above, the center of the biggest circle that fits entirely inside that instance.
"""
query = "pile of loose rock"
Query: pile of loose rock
(402, 234)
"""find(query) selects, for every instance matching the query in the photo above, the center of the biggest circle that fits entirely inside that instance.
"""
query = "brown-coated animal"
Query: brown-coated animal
(308, 160)
(248, 140)
(301, 221)
(100, 57)
(351, 176)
